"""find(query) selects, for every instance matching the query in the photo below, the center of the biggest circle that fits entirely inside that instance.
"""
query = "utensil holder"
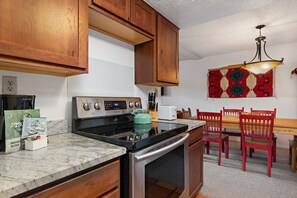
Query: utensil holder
(154, 115)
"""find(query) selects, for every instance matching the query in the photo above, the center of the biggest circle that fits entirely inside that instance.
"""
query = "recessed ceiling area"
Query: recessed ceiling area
(213, 27)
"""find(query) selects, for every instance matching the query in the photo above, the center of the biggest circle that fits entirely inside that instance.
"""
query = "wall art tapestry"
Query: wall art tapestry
(239, 83)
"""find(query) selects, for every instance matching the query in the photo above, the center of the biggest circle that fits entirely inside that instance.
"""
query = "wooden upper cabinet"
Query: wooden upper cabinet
(167, 55)
(143, 16)
(156, 62)
(44, 34)
(120, 8)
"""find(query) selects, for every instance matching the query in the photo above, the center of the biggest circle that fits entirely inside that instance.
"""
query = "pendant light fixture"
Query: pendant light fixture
(261, 66)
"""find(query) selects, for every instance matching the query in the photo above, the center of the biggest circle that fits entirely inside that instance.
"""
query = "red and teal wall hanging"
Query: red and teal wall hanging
(235, 82)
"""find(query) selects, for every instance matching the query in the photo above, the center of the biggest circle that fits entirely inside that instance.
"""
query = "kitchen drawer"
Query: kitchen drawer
(103, 182)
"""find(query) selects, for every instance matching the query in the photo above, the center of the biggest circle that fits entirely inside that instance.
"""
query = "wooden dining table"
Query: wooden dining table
(281, 125)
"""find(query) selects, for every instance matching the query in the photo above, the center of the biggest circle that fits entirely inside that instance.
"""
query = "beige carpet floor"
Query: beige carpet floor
(228, 180)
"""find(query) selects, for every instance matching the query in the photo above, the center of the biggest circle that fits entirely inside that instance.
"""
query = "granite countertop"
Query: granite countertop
(192, 124)
(65, 154)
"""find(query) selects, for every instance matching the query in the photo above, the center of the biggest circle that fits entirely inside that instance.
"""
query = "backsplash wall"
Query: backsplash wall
(50, 91)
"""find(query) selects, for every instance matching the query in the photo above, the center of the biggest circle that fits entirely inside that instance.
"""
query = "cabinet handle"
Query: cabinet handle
(164, 149)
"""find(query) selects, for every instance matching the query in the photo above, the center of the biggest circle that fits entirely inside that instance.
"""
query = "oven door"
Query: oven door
(161, 170)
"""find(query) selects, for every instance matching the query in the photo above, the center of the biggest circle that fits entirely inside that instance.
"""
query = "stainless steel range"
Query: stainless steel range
(156, 164)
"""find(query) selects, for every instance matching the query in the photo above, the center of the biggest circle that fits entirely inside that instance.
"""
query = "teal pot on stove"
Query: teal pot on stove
(141, 117)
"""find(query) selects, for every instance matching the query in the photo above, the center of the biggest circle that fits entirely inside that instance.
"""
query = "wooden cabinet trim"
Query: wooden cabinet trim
(38, 55)
(83, 35)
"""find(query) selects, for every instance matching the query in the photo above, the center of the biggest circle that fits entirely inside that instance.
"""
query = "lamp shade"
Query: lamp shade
(261, 67)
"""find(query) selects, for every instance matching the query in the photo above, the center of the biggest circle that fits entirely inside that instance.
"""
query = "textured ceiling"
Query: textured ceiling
(212, 27)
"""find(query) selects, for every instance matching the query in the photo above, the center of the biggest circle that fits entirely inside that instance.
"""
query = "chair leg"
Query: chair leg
(220, 152)
(227, 148)
(243, 158)
(269, 162)
(241, 148)
(293, 158)
(251, 152)
(223, 147)
(207, 148)
(274, 150)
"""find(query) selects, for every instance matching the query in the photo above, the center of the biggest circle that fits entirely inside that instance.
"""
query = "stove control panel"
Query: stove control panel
(90, 107)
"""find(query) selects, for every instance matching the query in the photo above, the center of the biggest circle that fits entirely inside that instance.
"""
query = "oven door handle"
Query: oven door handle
(164, 149)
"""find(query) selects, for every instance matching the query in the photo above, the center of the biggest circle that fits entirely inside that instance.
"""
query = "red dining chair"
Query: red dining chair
(232, 112)
(254, 128)
(266, 112)
(213, 131)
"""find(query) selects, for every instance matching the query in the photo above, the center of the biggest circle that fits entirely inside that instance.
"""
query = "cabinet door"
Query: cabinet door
(195, 167)
(143, 16)
(120, 8)
(39, 30)
(167, 51)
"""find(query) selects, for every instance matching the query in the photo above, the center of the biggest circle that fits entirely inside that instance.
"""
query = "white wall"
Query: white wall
(192, 90)
(50, 91)
(111, 73)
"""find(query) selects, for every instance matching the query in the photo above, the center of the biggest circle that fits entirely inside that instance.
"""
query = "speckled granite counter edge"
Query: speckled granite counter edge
(58, 175)
(192, 124)
(84, 159)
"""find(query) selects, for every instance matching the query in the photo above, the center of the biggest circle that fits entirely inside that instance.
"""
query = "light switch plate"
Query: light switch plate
(9, 85)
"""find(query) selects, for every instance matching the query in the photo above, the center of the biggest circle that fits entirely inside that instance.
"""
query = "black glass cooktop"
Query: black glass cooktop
(134, 136)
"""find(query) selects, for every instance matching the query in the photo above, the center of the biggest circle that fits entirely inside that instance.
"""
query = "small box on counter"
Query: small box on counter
(35, 142)
(167, 113)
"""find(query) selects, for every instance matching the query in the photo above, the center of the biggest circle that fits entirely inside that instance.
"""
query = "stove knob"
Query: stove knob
(86, 106)
(137, 104)
(97, 106)
(131, 104)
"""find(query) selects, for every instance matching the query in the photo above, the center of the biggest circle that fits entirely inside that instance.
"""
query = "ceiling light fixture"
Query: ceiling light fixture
(261, 66)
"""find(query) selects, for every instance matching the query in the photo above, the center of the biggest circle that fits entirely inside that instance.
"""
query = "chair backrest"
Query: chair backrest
(256, 126)
(264, 112)
(186, 114)
(183, 114)
(232, 112)
(213, 121)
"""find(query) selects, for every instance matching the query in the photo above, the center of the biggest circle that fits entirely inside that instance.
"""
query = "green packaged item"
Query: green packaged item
(13, 127)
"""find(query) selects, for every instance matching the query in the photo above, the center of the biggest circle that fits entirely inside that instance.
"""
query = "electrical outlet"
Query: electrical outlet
(9, 85)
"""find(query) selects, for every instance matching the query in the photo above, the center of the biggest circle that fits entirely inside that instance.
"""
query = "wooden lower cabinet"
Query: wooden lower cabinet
(101, 182)
(196, 146)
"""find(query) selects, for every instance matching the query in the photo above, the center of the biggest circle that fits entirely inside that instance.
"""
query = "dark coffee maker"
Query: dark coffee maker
(12, 102)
